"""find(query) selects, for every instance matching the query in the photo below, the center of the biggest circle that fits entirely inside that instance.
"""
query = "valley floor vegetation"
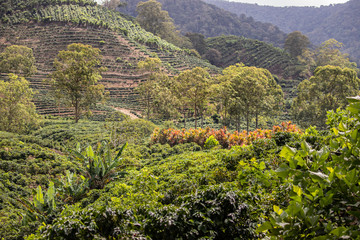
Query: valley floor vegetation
(126, 180)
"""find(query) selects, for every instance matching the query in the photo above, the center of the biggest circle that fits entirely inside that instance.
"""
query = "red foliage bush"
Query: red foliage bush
(226, 139)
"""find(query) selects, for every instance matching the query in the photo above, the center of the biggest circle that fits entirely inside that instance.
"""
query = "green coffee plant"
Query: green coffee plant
(325, 185)
(211, 142)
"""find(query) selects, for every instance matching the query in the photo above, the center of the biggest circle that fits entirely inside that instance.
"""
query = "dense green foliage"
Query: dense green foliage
(153, 19)
(296, 43)
(75, 80)
(17, 111)
(326, 90)
(290, 185)
(248, 92)
(18, 60)
(120, 179)
(324, 183)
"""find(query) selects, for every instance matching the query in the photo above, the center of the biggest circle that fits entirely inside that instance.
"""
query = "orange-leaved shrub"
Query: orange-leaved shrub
(225, 138)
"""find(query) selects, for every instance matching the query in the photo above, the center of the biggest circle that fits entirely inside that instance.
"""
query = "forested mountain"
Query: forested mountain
(340, 21)
(209, 20)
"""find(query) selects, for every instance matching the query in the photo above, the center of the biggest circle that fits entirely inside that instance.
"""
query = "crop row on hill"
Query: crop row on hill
(251, 52)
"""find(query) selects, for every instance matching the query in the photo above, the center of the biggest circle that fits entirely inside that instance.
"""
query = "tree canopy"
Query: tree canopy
(152, 18)
(112, 4)
(75, 78)
(296, 43)
(253, 92)
(155, 93)
(328, 53)
(193, 90)
(17, 111)
(326, 90)
(18, 60)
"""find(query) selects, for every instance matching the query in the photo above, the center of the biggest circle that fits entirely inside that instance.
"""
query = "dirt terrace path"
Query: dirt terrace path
(126, 112)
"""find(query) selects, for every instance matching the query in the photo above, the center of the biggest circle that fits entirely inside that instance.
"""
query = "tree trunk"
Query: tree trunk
(77, 113)
(184, 117)
(195, 116)
(247, 122)
(256, 119)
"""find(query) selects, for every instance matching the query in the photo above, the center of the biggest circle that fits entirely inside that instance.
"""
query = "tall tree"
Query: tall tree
(326, 90)
(76, 77)
(155, 92)
(18, 60)
(198, 42)
(17, 111)
(296, 43)
(152, 18)
(253, 90)
(328, 53)
(193, 89)
(112, 4)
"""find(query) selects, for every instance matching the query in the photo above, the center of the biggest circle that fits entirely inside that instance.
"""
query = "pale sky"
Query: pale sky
(281, 3)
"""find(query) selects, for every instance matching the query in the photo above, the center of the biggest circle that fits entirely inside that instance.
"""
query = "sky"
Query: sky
(282, 3)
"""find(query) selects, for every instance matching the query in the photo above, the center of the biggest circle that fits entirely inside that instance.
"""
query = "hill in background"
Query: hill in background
(199, 17)
(340, 21)
(50, 28)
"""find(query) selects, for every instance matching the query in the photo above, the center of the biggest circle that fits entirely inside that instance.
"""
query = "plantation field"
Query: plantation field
(180, 184)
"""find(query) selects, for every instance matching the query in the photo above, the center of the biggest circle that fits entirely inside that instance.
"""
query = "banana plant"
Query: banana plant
(73, 187)
(100, 167)
(41, 207)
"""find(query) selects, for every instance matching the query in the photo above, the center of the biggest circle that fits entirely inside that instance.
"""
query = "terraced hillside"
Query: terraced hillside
(49, 29)
(251, 52)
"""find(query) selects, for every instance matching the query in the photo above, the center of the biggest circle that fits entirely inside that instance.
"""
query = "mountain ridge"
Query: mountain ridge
(338, 21)
(211, 21)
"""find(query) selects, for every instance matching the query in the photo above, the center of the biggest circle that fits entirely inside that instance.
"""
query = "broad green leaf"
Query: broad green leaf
(287, 152)
(332, 173)
(318, 176)
(39, 198)
(306, 147)
(50, 195)
(293, 208)
(353, 99)
(351, 178)
(262, 166)
(265, 226)
(313, 220)
(323, 154)
(297, 190)
(354, 134)
(339, 232)
(354, 108)
(89, 152)
(283, 170)
(121, 150)
(342, 127)
(327, 199)
(278, 210)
